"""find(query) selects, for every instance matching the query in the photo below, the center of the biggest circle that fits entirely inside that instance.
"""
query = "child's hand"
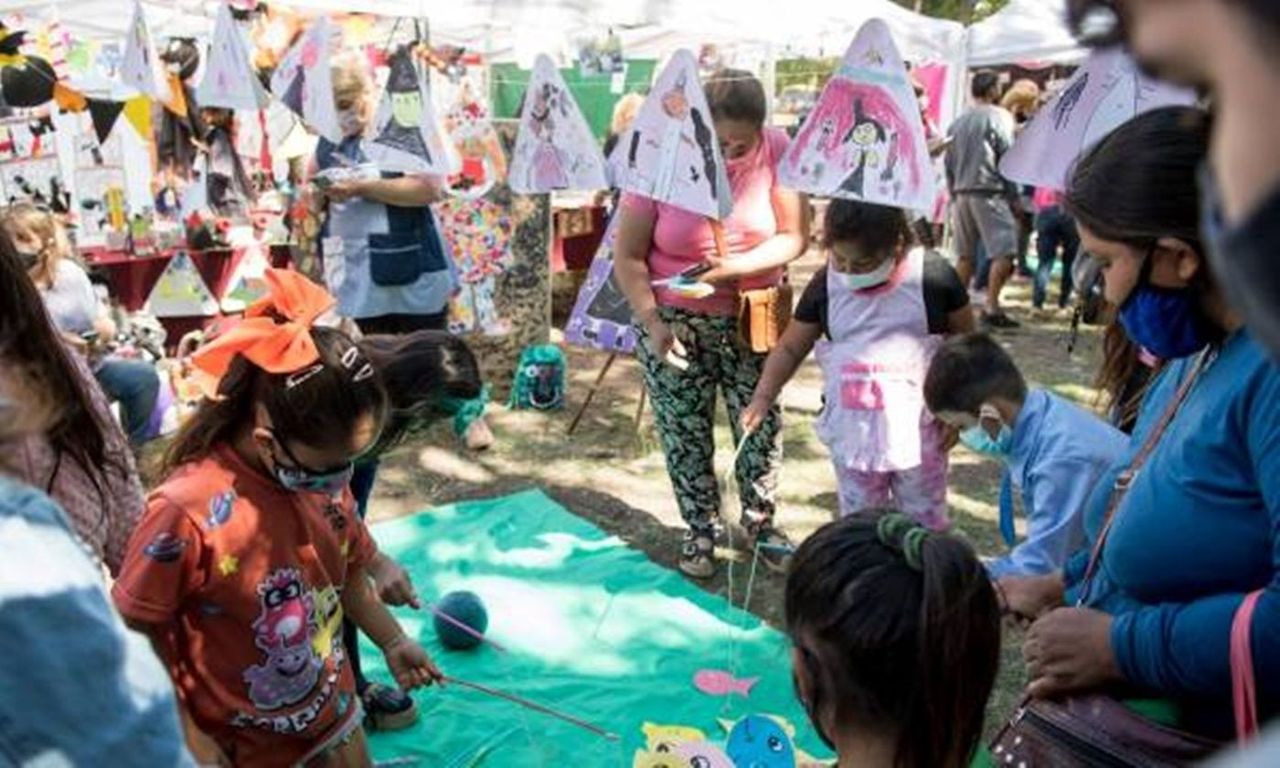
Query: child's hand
(755, 413)
(392, 582)
(410, 665)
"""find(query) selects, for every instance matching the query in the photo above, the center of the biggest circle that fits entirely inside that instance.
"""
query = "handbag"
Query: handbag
(1095, 729)
(763, 314)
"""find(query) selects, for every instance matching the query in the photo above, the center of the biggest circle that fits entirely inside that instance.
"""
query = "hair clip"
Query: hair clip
(364, 373)
(350, 357)
(300, 377)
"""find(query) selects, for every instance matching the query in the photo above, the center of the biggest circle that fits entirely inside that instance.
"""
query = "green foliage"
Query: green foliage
(967, 11)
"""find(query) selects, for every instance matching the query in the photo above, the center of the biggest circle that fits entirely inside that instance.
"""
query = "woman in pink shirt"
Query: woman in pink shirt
(690, 348)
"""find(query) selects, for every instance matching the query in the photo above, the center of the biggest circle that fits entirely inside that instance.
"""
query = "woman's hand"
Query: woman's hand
(664, 344)
(105, 328)
(755, 413)
(722, 270)
(392, 582)
(341, 191)
(1069, 650)
(410, 665)
(1028, 597)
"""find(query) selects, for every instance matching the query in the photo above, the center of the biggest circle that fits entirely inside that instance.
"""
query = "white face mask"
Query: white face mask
(350, 122)
(861, 282)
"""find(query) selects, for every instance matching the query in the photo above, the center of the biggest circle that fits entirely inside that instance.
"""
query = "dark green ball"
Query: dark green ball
(467, 608)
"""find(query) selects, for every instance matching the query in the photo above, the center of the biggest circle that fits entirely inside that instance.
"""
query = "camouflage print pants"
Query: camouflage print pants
(684, 405)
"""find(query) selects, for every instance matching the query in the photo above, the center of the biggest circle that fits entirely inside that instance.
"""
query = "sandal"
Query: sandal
(775, 548)
(387, 708)
(697, 555)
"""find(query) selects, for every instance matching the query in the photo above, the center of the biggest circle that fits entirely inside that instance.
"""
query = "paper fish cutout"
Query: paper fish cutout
(229, 80)
(1107, 91)
(671, 152)
(406, 133)
(555, 149)
(783, 723)
(665, 738)
(865, 139)
(181, 291)
(304, 83)
(141, 68)
(761, 742)
(703, 754)
(716, 682)
(647, 759)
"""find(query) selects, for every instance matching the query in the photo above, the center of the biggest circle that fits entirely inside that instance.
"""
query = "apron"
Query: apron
(873, 367)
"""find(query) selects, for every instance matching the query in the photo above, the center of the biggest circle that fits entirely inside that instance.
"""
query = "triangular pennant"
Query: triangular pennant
(229, 80)
(181, 292)
(672, 152)
(304, 84)
(555, 149)
(138, 112)
(104, 114)
(141, 68)
(406, 133)
(1107, 91)
(68, 98)
(601, 317)
(865, 139)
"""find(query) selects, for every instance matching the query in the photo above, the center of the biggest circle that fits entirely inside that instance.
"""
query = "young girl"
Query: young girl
(883, 308)
(250, 552)
(896, 636)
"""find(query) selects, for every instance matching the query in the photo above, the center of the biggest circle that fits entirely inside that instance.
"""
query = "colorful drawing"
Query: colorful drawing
(181, 291)
(865, 139)
(248, 281)
(229, 80)
(472, 134)
(704, 754)
(601, 316)
(304, 84)
(478, 235)
(407, 133)
(141, 67)
(1107, 91)
(761, 742)
(672, 154)
(555, 149)
(665, 738)
(717, 682)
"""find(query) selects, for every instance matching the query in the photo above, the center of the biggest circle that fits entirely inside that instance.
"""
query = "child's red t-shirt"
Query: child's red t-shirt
(249, 577)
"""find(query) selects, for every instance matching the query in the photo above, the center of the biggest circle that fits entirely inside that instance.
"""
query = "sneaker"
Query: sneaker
(999, 321)
(697, 555)
(387, 708)
(775, 548)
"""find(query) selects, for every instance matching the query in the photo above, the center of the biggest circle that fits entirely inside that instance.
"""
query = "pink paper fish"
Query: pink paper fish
(715, 682)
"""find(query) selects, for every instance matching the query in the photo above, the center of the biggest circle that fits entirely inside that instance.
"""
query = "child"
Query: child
(250, 552)
(882, 307)
(1054, 451)
(896, 641)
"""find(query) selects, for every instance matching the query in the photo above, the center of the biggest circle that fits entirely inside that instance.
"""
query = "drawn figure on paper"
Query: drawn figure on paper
(1068, 100)
(675, 105)
(703, 136)
(547, 170)
(868, 140)
(1124, 92)
(404, 130)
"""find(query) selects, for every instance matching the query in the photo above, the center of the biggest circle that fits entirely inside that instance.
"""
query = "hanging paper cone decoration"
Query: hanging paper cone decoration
(27, 84)
(181, 291)
(1107, 91)
(555, 149)
(138, 112)
(141, 67)
(406, 132)
(865, 138)
(229, 80)
(304, 83)
(104, 114)
(672, 154)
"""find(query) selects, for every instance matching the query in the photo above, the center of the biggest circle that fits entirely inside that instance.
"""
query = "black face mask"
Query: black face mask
(813, 704)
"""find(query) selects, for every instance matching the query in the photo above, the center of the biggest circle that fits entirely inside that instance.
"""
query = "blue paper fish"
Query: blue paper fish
(760, 742)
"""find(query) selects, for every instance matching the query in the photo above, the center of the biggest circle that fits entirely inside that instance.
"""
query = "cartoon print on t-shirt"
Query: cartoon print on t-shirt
(284, 631)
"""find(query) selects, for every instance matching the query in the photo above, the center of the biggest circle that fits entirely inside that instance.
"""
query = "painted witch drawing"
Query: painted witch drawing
(555, 149)
(404, 130)
(864, 139)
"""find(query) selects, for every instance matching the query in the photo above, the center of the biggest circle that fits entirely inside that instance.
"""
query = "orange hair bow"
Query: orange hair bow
(275, 334)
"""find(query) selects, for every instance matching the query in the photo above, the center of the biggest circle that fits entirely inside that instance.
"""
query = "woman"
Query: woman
(76, 311)
(80, 457)
(1199, 525)
(690, 347)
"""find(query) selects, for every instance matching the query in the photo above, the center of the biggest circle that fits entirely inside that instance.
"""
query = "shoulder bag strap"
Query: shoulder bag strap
(1244, 686)
(1126, 478)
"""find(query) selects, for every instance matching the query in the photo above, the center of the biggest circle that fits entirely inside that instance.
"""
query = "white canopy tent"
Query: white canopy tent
(1024, 31)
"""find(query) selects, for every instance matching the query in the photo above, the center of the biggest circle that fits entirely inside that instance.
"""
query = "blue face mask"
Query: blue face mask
(298, 479)
(1166, 321)
(978, 440)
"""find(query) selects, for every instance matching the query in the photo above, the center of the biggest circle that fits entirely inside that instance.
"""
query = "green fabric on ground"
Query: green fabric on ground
(593, 628)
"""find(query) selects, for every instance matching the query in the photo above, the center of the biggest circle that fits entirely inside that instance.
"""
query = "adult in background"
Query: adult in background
(77, 313)
(1022, 100)
(1199, 525)
(1233, 49)
(689, 349)
(980, 196)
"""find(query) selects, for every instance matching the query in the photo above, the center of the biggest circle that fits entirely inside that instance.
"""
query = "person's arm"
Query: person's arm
(631, 248)
(202, 746)
(410, 191)
(1058, 492)
(783, 362)
(946, 298)
(789, 243)
(407, 661)
(961, 321)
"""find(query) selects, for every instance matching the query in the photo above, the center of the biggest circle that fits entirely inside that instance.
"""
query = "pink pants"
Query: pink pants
(921, 492)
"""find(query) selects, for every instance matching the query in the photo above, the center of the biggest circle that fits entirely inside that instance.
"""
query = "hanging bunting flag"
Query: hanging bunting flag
(68, 98)
(229, 80)
(181, 291)
(1107, 91)
(104, 114)
(138, 112)
(865, 139)
(11, 46)
(672, 154)
(555, 149)
(304, 83)
(407, 135)
(57, 38)
(141, 67)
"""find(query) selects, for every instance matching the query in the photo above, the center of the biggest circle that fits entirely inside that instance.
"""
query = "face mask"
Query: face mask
(812, 705)
(27, 260)
(978, 440)
(1166, 321)
(861, 282)
(350, 122)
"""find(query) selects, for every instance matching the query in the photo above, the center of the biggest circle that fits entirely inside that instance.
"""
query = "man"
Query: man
(980, 196)
(1231, 48)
